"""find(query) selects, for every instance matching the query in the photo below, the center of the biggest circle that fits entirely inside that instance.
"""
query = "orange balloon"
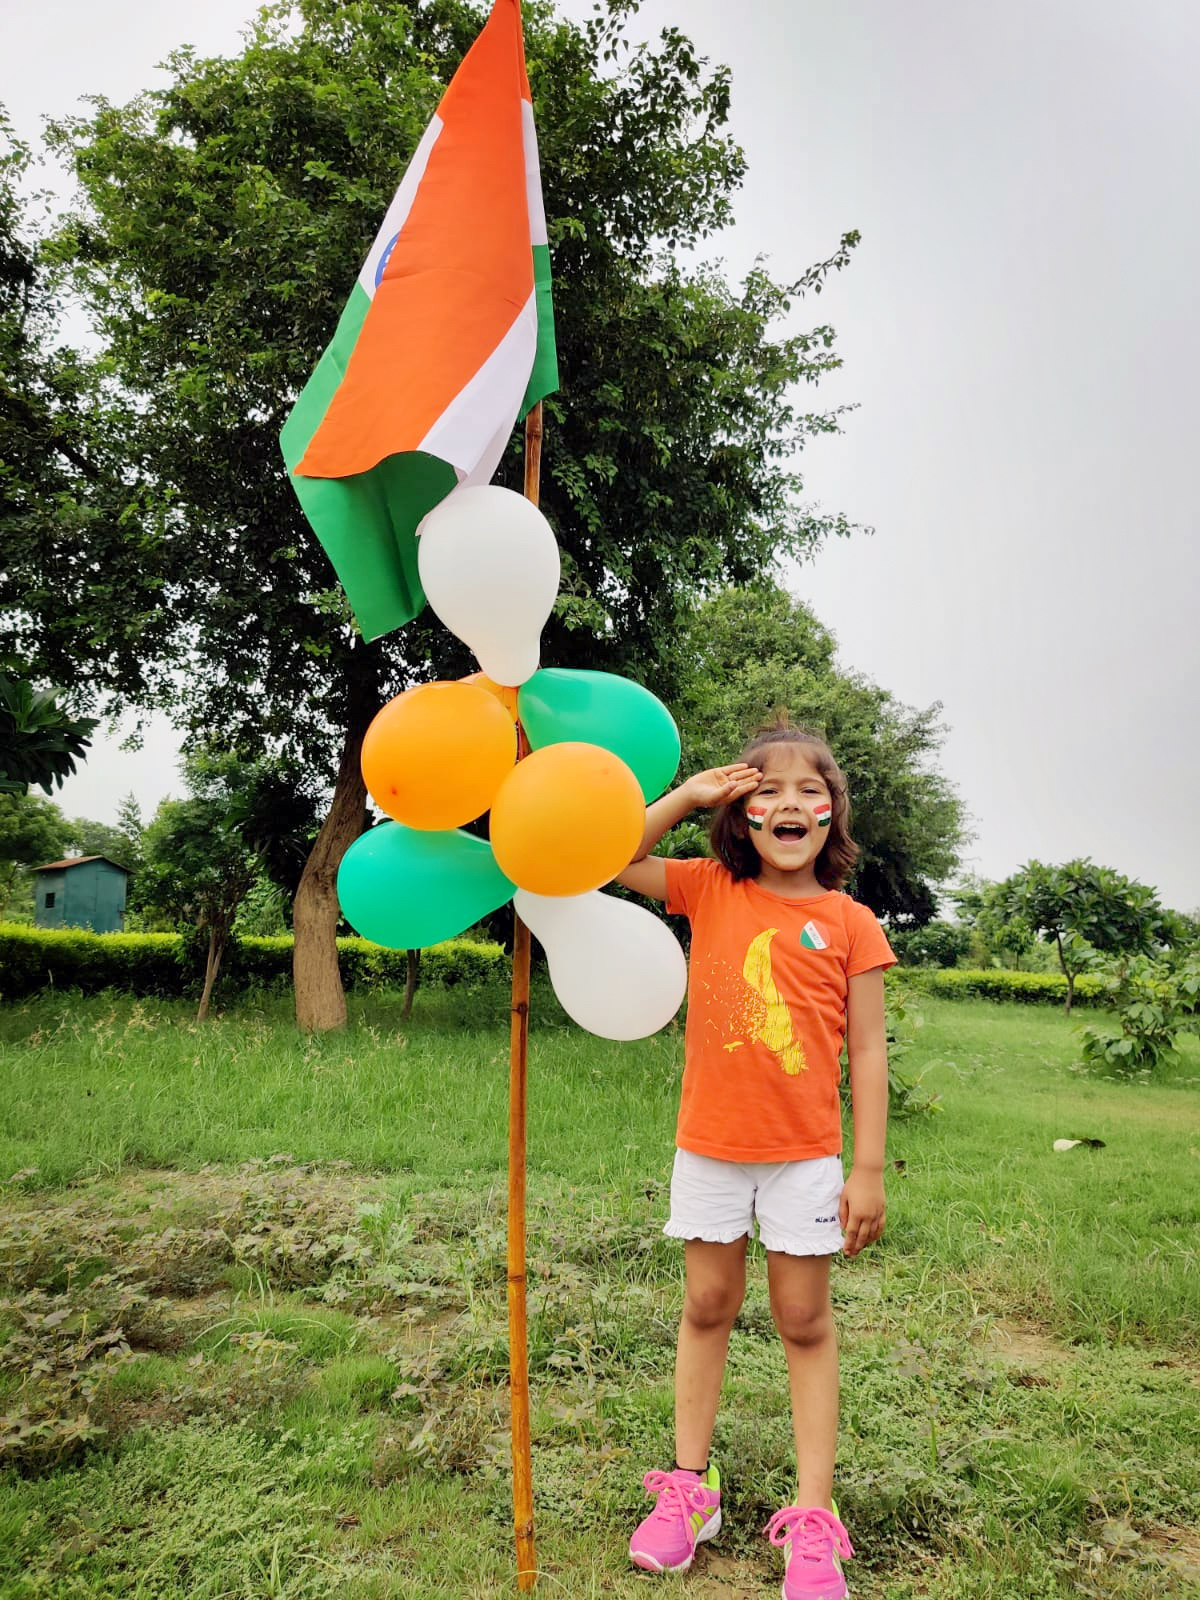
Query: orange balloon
(567, 819)
(435, 756)
(506, 696)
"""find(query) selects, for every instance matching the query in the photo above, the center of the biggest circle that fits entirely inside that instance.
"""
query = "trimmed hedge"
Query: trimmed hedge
(1018, 988)
(32, 959)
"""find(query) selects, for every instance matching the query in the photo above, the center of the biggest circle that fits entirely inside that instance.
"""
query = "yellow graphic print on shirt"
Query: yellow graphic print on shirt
(775, 1028)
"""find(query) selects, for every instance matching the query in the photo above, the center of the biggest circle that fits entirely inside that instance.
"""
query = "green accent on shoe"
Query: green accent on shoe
(711, 1480)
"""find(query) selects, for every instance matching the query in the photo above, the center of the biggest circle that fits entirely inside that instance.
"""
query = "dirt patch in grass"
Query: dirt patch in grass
(1178, 1548)
(180, 1190)
(724, 1578)
(1025, 1346)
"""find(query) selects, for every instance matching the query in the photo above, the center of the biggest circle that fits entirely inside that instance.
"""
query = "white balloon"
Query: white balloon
(490, 568)
(617, 970)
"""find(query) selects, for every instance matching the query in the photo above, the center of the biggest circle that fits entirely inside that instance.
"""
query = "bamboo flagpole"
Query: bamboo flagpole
(518, 1348)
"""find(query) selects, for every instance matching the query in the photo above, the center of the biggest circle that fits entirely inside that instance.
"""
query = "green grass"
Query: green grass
(95, 1087)
(301, 1244)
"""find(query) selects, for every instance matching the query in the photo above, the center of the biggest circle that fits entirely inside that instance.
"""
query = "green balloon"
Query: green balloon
(406, 888)
(560, 704)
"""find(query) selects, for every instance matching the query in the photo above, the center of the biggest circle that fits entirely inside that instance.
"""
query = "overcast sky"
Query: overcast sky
(1021, 334)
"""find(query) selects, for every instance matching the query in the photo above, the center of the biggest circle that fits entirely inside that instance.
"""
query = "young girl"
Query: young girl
(783, 968)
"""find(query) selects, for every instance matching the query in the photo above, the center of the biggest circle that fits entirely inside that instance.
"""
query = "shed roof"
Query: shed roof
(78, 861)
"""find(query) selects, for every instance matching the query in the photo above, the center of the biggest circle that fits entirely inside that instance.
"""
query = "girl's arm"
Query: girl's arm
(861, 1211)
(647, 874)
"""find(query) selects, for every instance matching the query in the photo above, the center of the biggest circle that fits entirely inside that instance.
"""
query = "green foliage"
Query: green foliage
(33, 832)
(1002, 935)
(936, 944)
(203, 855)
(1180, 931)
(665, 465)
(748, 653)
(121, 843)
(80, 583)
(264, 912)
(40, 741)
(62, 1347)
(1082, 908)
(906, 1095)
(994, 983)
(151, 964)
(1154, 1002)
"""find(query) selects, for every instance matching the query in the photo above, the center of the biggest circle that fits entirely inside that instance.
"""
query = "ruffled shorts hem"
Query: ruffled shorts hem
(679, 1230)
(786, 1247)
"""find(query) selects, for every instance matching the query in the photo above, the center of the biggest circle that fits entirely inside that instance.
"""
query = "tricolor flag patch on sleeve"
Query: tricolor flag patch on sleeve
(812, 938)
(823, 812)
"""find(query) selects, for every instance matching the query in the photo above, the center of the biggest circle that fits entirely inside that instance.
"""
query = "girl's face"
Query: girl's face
(789, 814)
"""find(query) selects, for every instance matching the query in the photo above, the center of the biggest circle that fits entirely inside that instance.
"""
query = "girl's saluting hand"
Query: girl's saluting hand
(719, 785)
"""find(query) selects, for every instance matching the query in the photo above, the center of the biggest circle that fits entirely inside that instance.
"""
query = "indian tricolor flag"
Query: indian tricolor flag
(446, 341)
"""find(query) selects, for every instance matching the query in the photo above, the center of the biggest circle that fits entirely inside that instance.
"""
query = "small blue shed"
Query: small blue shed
(81, 892)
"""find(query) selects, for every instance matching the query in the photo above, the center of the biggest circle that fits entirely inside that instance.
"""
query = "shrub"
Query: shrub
(152, 964)
(32, 959)
(935, 944)
(1020, 988)
(1154, 1002)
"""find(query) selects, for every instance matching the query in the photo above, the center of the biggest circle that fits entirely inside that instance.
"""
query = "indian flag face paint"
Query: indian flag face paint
(823, 812)
(755, 816)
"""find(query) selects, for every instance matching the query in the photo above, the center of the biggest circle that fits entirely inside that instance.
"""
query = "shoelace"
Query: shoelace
(811, 1529)
(675, 1494)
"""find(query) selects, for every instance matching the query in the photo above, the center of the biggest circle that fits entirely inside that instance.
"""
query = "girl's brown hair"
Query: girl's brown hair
(729, 833)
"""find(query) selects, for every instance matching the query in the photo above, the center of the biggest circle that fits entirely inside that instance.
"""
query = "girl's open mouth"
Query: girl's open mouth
(789, 831)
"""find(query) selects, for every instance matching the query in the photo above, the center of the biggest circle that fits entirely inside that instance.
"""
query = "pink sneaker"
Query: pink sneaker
(687, 1513)
(813, 1539)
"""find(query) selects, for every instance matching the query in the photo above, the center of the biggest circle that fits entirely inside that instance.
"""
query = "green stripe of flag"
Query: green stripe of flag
(543, 379)
(367, 523)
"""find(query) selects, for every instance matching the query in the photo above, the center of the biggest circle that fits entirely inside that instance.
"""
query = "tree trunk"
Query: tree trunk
(1067, 974)
(320, 998)
(410, 982)
(216, 949)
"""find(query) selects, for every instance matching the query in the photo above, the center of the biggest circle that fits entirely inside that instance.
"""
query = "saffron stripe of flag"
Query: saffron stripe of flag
(446, 340)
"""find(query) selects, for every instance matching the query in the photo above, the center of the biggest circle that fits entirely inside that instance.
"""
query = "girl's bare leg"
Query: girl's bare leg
(804, 1317)
(716, 1282)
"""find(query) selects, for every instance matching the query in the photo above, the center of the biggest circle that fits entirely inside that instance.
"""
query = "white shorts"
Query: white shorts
(795, 1203)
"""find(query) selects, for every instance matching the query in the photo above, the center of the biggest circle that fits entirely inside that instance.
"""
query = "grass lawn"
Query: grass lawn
(256, 1333)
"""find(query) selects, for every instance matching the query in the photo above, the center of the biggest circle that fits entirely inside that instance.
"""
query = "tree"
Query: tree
(1081, 907)
(754, 651)
(80, 578)
(226, 216)
(1000, 931)
(204, 854)
(32, 832)
(122, 843)
(40, 741)
(934, 944)
(264, 911)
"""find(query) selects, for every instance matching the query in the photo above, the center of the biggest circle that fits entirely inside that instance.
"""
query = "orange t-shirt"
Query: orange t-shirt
(767, 985)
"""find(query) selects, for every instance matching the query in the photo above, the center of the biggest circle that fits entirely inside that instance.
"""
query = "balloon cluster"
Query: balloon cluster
(564, 820)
